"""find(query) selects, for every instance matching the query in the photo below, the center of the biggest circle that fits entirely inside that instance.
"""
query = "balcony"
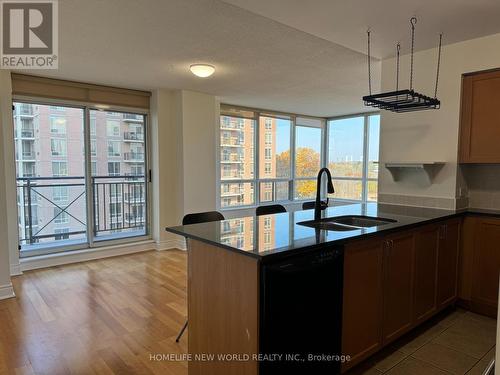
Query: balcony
(133, 137)
(25, 110)
(27, 133)
(230, 127)
(130, 117)
(133, 156)
(113, 218)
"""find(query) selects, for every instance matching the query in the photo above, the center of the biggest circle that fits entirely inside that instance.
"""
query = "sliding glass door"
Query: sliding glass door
(81, 176)
(118, 168)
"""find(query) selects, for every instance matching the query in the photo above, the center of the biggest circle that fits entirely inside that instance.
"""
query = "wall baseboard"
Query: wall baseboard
(171, 244)
(7, 291)
(57, 259)
(15, 269)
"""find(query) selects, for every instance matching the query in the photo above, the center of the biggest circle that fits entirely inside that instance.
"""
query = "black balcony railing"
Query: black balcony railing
(55, 208)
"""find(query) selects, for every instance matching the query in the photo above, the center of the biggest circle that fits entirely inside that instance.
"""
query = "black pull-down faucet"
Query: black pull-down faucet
(317, 206)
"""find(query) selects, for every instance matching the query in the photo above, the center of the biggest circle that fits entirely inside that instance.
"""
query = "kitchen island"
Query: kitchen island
(392, 278)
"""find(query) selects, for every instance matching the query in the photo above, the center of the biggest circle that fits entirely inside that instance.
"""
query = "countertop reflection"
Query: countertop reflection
(279, 234)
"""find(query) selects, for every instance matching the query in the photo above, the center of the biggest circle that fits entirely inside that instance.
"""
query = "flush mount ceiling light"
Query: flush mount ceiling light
(202, 70)
(406, 100)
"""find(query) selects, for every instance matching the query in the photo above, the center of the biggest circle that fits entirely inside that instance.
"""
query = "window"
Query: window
(267, 153)
(137, 170)
(60, 216)
(29, 169)
(58, 147)
(113, 128)
(93, 147)
(93, 127)
(61, 234)
(28, 149)
(50, 144)
(308, 149)
(114, 168)
(58, 125)
(353, 156)
(114, 148)
(59, 168)
(115, 209)
(60, 193)
(286, 170)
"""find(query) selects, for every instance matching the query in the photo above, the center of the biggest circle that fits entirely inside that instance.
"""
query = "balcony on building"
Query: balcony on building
(133, 156)
(133, 137)
(130, 117)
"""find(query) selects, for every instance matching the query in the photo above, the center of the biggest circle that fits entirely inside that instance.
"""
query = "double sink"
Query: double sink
(345, 223)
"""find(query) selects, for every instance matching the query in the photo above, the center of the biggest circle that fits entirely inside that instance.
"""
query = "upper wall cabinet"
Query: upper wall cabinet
(480, 118)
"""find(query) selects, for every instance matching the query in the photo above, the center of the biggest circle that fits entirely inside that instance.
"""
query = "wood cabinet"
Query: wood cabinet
(447, 273)
(362, 305)
(486, 266)
(393, 283)
(480, 118)
(398, 285)
(427, 241)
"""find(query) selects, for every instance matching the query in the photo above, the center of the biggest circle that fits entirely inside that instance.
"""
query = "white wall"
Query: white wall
(166, 206)
(199, 118)
(430, 135)
(183, 141)
(8, 222)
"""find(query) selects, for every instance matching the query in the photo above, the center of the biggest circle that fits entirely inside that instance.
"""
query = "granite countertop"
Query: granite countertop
(270, 236)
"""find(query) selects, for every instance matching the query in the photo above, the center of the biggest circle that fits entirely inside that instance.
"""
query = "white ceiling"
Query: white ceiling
(261, 63)
(264, 62)
(346, 22)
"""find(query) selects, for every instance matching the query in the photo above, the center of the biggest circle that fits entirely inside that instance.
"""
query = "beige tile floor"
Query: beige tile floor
(454, 342)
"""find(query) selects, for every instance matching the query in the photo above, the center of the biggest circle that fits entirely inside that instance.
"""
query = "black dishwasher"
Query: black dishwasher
(301, 313)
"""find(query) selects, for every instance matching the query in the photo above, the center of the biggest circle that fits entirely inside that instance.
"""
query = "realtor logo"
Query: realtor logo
(29, 34)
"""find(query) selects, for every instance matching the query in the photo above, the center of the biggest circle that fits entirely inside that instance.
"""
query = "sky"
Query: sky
(346, 138)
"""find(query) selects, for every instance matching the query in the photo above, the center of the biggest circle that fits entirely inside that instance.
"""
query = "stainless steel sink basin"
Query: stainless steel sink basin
(326, 225)
(346, 223)
(362, 221)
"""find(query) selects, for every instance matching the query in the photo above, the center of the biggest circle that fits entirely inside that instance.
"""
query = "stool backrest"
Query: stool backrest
(308, 205)
(202, 217)
(270, 209)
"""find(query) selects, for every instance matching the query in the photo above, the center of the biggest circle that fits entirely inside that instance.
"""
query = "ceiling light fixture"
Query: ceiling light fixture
(202, 70)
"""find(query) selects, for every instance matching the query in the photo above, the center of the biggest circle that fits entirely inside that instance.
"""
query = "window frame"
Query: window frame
(232, 111)
(87, 107)
(256, 180)
(366, 141)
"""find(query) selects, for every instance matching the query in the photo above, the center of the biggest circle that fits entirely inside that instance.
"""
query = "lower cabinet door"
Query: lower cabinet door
(486, 266)
(398, 285)
(362, 300)
(447, 290)
(426, 262)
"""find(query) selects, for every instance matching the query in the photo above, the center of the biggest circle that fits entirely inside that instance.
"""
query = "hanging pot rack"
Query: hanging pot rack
(406, 100)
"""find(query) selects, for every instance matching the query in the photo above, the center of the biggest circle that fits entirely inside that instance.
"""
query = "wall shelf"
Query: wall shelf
(429, 168)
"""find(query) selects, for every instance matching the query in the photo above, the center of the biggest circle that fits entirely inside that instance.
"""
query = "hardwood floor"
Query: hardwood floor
(110, 316)
(99, 317)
